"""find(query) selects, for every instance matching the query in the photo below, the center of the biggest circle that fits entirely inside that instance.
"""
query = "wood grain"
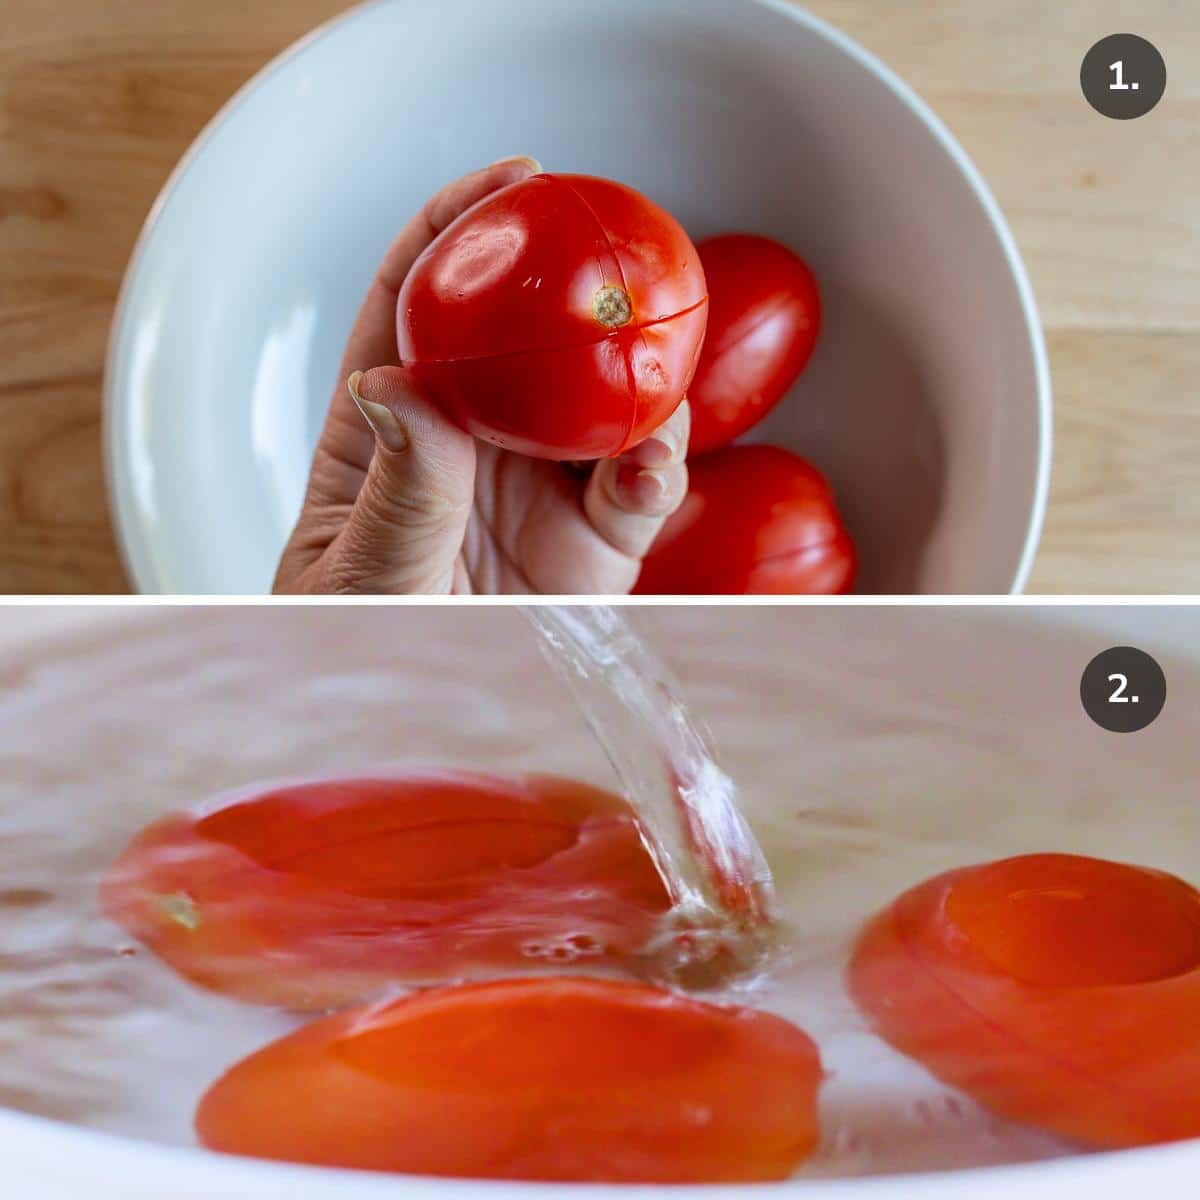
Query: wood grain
(1148, 483)
(99, 98)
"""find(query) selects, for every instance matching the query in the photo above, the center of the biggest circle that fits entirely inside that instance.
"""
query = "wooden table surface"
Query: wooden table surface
(99, 98)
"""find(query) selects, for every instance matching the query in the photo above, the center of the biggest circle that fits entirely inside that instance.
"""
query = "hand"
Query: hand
(401, 500)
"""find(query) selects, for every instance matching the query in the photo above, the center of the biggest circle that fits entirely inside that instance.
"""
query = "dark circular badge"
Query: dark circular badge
(1123, 76)
(1123, 689)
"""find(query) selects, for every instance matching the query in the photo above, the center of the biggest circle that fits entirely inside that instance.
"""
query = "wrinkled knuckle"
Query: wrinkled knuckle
(356, 571)
(426, 504)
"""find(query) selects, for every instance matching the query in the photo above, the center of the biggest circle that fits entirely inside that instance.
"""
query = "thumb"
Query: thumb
(407, 524)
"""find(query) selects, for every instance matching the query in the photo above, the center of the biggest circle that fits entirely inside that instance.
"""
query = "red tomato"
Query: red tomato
(560, 317)
(537, 1079)
(1057, 990)
(763, 319)
(756, 519)
(315, 894)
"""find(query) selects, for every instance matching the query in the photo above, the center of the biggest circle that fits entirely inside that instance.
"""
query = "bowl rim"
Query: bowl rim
(56, 1150)
(130, 532)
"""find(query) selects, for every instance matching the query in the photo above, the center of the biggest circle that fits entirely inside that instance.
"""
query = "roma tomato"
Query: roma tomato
(560, 317)
(536, 1079)
(1057, 990)
(763, 319)
(756, 519)
(315, 894)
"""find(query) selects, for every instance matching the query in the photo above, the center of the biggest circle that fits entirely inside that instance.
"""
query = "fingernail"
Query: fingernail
(655, 481)
(381, 419)
(658, 451)
(526, 159)
(640, 488)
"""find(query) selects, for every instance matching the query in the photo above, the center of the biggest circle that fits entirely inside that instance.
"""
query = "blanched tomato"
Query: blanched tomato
(756, 519)
(315, 894)
(763, 319)
(538, 1079)
(1057, 990)
(560, 317)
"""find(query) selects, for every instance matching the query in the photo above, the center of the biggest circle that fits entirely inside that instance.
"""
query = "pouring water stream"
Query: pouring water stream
(708, 857)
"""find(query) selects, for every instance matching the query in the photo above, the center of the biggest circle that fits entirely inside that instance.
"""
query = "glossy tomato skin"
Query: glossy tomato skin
(1104, 1054)
(534, 1079)
(501, 319)
(763, 320)
(756, 520)
(320, 893)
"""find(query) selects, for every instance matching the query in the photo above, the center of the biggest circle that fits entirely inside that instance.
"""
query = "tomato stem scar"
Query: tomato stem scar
(612, 307)
(180, 908)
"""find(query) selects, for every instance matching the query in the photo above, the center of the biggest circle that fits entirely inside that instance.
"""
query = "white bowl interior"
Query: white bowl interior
(940, 737)
(926, 402)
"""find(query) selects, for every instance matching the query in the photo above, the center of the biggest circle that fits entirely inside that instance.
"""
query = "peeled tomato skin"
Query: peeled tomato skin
(536, 1079)
(496, 319)
(314, 894)
(1105, 1065)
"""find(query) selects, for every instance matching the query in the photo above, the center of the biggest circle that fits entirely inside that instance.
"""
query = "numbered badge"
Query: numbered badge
(1123, 76)
(1123, 689)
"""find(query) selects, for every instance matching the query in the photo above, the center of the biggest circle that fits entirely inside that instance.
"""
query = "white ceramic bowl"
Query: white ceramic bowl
(56, 1162)
(927, 403)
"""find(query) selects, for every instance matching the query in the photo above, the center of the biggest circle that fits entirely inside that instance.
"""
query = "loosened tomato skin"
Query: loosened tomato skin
(763, 321)
(501, 319)
(550, 1079)
(1100, 1053)
(756, 520)
(315, 894)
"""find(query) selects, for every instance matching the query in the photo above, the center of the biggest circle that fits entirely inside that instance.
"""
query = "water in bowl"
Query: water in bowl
(871, 750)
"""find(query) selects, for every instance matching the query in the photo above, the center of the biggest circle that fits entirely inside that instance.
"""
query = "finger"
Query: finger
(406, 527)
(667, 445)
(345, 450)
(627, 503)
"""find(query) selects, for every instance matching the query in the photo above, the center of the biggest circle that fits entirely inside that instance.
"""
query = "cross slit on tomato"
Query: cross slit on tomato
(1057, 990)
(560, 317)
(320, 893)
(534, 1079)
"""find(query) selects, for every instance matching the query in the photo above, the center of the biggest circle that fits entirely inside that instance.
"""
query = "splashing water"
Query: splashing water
(713, 868)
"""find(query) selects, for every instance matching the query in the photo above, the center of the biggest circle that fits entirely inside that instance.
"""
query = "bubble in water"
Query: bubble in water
(567, 948)
(584, 943)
